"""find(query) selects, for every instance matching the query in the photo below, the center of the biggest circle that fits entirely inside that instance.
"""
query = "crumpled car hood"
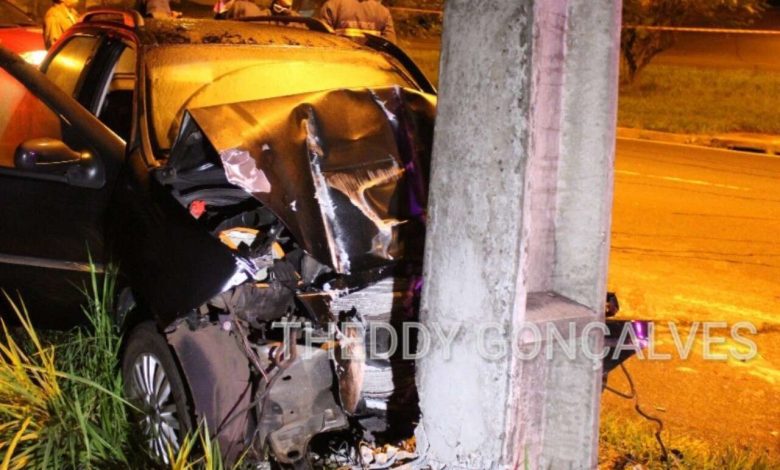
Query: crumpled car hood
(345, 170)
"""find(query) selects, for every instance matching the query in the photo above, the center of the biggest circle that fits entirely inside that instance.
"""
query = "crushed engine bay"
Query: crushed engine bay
(320, 199)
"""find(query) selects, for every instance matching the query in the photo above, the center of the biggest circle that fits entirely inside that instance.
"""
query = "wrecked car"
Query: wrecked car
(261, 186)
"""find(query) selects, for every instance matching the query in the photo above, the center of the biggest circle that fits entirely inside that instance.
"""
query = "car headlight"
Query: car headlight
(34, 57)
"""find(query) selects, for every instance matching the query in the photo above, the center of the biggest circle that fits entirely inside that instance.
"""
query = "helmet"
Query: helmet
(281, 7)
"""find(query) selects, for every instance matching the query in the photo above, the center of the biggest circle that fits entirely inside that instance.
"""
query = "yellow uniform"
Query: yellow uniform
(58, 18)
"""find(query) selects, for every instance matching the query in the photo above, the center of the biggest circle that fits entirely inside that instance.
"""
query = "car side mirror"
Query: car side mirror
(54, 158)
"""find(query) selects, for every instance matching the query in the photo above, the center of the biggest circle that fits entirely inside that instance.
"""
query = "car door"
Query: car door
(57, 163)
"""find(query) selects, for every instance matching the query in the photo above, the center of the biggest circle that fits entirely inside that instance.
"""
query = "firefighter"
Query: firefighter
(367, 15)
(282, 8)
(233, 9)
(59, 17)
(160, 9)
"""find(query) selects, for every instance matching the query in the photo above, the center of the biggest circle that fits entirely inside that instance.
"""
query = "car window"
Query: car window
(67, 66)
(115, 108)
(22, 117)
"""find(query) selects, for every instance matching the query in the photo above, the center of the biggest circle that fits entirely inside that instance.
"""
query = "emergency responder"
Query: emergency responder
(233, 9)
(282, 8)
(58, 18)
(160, 9)
(367, 15)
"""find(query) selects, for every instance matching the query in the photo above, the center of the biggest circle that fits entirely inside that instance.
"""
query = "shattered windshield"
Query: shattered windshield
(192, 76)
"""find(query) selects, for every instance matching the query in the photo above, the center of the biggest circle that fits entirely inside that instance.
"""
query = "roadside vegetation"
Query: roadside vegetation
(639, 45)
(701, 101)
(61, 400)
(679, 99)
(60, 395)
(630, 444)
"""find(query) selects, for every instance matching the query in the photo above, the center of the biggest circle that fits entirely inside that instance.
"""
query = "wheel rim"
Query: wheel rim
(151, 393)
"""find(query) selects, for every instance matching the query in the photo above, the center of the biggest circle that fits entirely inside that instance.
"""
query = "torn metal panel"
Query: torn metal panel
(345, 170)
(241, 170)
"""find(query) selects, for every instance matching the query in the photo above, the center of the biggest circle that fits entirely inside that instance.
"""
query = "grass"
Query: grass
(630, 444)
(198, 452)
(679, 99)
(701, 100)
(61, 400)
(61, 405)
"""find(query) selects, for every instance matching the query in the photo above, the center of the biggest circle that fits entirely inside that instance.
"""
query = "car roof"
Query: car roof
(304, 33)
(208, 31)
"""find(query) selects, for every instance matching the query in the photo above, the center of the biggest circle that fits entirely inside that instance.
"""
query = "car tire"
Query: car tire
(154, 384)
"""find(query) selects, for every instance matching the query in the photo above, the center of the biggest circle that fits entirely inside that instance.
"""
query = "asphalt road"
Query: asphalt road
(696, 238)
(710, 218)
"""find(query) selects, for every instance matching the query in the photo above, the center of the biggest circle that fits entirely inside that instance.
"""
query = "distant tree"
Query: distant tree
(638, 46)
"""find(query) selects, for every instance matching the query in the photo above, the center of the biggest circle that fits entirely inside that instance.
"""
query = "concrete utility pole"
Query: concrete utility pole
(521, 193)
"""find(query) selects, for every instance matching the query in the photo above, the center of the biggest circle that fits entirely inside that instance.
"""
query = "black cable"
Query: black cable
(632, 395)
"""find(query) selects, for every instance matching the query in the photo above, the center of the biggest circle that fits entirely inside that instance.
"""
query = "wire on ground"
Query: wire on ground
(632, 395)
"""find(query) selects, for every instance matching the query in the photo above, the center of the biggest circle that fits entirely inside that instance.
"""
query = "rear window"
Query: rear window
(181, 77)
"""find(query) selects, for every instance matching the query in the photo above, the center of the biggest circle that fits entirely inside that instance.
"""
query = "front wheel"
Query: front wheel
(154, 385)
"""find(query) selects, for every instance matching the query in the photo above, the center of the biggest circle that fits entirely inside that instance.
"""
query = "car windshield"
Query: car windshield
(12, 16)
(191, 76)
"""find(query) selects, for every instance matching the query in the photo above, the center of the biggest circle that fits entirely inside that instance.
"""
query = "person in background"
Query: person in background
(233, 9)
(367, 15)
(59, 17)
(160, 10)
(282, 8)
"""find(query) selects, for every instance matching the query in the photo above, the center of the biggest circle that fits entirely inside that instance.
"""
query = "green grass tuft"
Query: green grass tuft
(630, 444)
(61, 393)
(61, 402)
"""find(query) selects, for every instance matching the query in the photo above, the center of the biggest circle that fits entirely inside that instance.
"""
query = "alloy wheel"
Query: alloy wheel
(151, 393)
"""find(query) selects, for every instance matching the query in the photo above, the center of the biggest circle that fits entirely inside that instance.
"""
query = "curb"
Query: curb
(755, 143)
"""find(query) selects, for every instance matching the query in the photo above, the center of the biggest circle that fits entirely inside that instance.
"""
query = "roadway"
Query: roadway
(715, 213)
(695, 238)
